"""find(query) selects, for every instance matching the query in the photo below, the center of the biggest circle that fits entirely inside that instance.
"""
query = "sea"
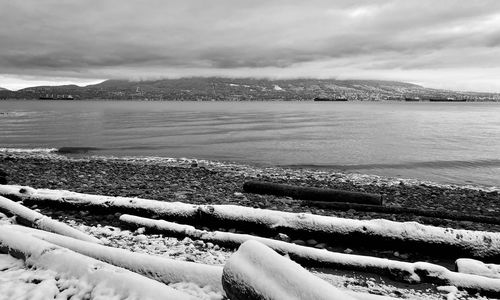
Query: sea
(446, 143)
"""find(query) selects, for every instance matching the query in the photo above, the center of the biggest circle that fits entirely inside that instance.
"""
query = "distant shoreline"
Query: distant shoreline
(247, 89)
(234, 101)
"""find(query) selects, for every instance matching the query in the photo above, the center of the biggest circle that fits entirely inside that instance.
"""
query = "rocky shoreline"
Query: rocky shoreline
(208, 182)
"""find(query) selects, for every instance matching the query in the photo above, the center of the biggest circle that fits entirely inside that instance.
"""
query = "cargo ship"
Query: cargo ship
(57, 97)
(446, 100)
(340, 99)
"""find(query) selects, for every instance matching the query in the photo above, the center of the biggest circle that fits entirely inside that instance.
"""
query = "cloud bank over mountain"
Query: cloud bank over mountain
(444, 44)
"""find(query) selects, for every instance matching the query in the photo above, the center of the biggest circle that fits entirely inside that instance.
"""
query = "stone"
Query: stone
(283, 237)
(140, 238)
(299, 242)
(140, 230)
(311, 242)
(320, 246)
(403, 256)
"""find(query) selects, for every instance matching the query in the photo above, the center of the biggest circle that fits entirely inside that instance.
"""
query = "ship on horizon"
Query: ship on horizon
(56, 97)
(339, 99)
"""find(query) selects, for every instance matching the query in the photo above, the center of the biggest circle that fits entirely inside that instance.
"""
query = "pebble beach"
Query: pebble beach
(210, 182)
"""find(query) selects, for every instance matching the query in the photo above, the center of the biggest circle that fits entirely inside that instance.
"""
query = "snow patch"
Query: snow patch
(105, 281)
(155, 267)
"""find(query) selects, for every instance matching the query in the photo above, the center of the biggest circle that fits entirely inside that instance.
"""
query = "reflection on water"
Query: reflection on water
(444, 142)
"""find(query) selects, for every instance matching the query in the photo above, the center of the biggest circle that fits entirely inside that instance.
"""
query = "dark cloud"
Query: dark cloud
(109, 38)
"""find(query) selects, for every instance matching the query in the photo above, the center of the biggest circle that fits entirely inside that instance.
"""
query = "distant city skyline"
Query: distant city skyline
(447, 44)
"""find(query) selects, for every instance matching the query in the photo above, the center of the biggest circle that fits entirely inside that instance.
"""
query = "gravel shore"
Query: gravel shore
(208, 182)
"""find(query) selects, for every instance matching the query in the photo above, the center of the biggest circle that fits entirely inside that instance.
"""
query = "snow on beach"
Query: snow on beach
(96, 279)
(189, 250)
(207, 182)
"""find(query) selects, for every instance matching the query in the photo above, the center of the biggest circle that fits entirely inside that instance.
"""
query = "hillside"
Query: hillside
(238, 89)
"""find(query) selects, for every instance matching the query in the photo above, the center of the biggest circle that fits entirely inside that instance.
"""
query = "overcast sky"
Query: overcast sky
(443, 44)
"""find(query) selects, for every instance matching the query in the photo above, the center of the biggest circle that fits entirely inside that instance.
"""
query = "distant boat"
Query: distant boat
(46, 98)
(410, 99)
(57, 97)
(446, 100)
(340, 99)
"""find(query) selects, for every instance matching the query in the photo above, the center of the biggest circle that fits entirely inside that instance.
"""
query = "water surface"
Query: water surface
(444, 142)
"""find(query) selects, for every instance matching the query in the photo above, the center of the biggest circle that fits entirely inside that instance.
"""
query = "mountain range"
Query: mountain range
(237, 89)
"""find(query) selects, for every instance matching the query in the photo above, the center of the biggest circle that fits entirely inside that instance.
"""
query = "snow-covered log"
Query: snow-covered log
(451, 243)
(255, 272)
(436, 213)
(419, 272)
(311, 193)
(35, 219)
(158, 268)
(66, 263)
(472, 266)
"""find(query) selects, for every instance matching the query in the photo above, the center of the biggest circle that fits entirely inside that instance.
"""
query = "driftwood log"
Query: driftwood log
(66, 263)
(378, 234)
(255, 272)
(472, 266)
(438, 214)
(419, 272)
(35, 219)
(311, 193)
(161, 269)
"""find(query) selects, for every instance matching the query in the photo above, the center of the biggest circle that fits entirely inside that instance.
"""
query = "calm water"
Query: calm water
(443, 142)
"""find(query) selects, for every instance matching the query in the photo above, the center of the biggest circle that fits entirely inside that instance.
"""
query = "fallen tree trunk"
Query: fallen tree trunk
(158, 268)
(472, 266)
(99, 275)
(311, 193)
(381, 234)
(255, 272)
(35, 219)
(438, 214)
(307, 256)
(419, 272)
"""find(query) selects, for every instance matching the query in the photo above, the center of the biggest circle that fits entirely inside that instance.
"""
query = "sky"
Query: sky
(450, 44)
